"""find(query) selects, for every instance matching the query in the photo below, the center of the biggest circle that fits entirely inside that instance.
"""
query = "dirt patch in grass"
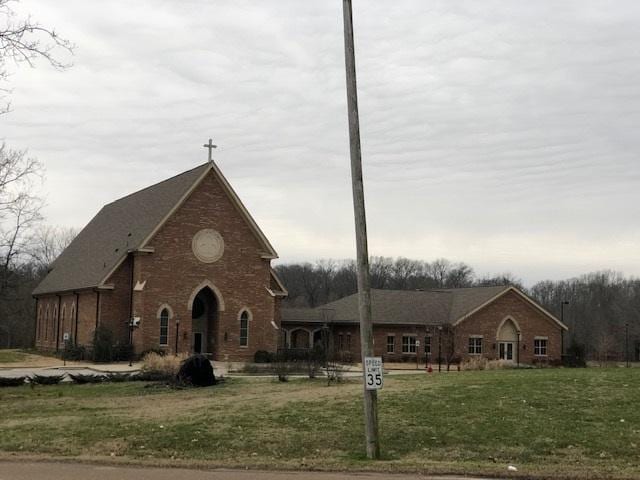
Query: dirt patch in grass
(20, 358)
(12, 356)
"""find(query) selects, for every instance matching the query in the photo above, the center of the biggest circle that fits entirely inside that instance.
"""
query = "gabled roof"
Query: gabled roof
(127, 225)
(409, 307)
(533, 303)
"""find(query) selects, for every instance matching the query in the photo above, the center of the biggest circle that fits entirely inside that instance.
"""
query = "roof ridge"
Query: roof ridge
(155, 184)
(470, 288)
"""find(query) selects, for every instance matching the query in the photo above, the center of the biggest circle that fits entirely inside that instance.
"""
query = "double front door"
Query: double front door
(506, 350)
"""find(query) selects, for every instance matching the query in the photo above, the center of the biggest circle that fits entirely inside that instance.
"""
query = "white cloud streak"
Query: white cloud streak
(498, 133)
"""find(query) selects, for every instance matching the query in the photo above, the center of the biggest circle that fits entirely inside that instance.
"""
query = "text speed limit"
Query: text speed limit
(373, 373)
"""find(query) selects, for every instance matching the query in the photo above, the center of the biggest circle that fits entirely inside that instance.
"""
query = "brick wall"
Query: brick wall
(172, 274)
(531, 321)
(87, 301)
(114, 304)
(454, 343)
(47, 323)
(60, 320)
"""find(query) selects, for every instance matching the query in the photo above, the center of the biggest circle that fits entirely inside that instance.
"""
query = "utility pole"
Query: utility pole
(362, 253)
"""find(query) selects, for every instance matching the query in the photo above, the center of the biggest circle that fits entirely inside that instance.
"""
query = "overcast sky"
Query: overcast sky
(503, 134)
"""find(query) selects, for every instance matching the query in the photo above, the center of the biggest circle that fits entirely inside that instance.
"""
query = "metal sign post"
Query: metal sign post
(373, 378)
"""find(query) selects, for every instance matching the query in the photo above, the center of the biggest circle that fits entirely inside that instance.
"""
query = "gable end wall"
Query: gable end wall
(532, 323)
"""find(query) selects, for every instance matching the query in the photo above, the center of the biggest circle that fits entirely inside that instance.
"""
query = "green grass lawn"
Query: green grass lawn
(12, 356)
(582, 423)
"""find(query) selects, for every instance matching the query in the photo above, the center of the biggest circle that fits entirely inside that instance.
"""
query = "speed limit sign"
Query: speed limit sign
(373, 373)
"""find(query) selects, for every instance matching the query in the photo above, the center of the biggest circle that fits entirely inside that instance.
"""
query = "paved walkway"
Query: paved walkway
(75, 471)
(48, 365)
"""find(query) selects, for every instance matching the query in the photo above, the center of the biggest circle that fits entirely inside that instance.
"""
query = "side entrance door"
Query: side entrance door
(506, 351)
(197, 342)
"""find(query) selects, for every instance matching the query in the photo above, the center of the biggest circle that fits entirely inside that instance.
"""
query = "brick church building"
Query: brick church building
(435, 326)
(181, 266)
(178, 266)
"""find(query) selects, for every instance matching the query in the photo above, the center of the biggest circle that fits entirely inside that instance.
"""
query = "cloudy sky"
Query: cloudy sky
(499, 133)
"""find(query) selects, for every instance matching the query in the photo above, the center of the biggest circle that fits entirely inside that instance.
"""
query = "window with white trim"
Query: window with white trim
(475, 345)
(540, 347)
(164, 327)
(244, 329)
(409, 344)
(391, 343)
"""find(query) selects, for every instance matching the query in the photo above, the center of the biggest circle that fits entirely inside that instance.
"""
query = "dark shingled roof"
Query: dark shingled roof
(117, 228)
(404, 307)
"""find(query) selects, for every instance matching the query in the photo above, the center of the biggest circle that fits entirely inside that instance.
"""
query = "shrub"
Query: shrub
(81, 379)
(12, 382)
(257, 368)
(262, 356)
(46, 379)
(576, 356)
(482, 363)
(117, 377)
(499, 364)
(102, 344)
(151, 377)
(314, 360)
(197, 371)
(121, 352)
(283, 366)
(160, 367)
(474, 363)
(157, 351)
(72, 351)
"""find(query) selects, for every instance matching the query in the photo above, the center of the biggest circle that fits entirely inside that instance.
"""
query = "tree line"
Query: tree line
(27, 245)
(601, 309)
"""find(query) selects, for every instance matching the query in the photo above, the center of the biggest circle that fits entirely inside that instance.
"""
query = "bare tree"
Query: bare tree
(381, 271)
(48, 242)
(404, 271)
(22, 40)
(19, 215)
(459, 275)
(501, 279)
(19, 209)
(438, 270)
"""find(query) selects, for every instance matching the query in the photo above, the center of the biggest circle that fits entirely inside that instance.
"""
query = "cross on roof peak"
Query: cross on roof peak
(210, 146)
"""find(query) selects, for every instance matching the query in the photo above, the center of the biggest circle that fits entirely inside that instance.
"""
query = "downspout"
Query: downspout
(75, 332)
(58, 325)
(130, 319)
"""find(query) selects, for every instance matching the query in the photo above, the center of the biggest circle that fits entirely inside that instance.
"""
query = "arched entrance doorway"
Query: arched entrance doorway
(204, 318)
(508, 340)
(299, 338)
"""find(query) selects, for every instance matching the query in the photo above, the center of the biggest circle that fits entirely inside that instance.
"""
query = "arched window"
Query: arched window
(72, 321)
(63, 320)
(40, 322)
(244, 328)
(46, 323)
(164, 327)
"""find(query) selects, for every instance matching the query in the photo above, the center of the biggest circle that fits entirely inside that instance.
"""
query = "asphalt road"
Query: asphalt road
(77, 471)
